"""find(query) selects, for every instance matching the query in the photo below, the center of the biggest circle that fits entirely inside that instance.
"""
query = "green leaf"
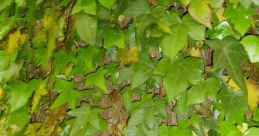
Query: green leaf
(221, 31)
(145, 117)
(200, 11)
(163, 66)
(87, 121)
(4, 60)
(63, 85)
(251, 44)
(21, 92)
(228, 129)
(97, 79)
(256, 2)
(172, 44)
(246, 3)
(239, 16)
(195, 30)
(136, 8)
(86, 56)
(234, 104)
(185, 3)
(199, 92)
(182, 73)
(253, 131)
(137, 74)
(181, 130)
(60, 62)
(216, 3)
(88, 6)
(114, 38)
(67, 96)
(229, 53)
(19, 118)
(86, 27)
(107, 3)
(142, 71)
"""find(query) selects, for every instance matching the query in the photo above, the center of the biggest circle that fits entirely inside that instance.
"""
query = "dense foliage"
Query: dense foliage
(129, 67)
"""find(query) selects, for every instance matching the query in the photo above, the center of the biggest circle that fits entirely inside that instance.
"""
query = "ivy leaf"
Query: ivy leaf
(195, 30)
(228, 129)
(113, 37)
(88, 6)
(142, 71)
(67, 94)
(253, 131)
(216, 3)
(163, 66)
(239, 16)
(86, 27)
(181, 129)
(136, 8)
(253, 94)
(97, 79)
(200, 11)
(182, 73)
(4, 60)
(145, 117)
(37, 96)
(246, 3)
(221, 31)
(19, 118)
(229, 53)
(84, 60)
(137, 74)
(234, 104)
(208, 88)
(60, 62)
(172, 44)
(107, 3)
(21, 92)
(256, 2)
(87, 121)
(251, 44)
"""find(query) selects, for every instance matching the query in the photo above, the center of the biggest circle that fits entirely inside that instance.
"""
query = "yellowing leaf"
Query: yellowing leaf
(200, 11)
(1, 93)
(128, 56)
(68, 68)
(37, 96)
(48, 22)
(220, 14)
(253, 94)
(233, 85)
(234, 1)
(195, 52)
(165, 28)
(14, 40)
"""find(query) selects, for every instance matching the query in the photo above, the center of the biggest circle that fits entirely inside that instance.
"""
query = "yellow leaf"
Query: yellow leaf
(195, 52)
(1, 93)
(128, 56)
(37, 96)
(233, 85)
(48, 22)
(14, 40)
(253, 94)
